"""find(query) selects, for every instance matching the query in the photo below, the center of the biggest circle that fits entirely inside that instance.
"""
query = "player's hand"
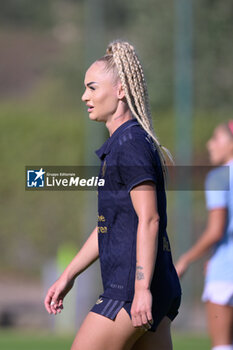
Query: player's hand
(54, 299)
(181, 265)
(141, 309)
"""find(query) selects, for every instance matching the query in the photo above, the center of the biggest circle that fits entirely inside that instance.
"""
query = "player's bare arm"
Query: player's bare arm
(88, 254)
(145, 204)
(212, 234)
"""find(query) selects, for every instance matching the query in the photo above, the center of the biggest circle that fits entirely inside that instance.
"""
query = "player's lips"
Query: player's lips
(90, 108)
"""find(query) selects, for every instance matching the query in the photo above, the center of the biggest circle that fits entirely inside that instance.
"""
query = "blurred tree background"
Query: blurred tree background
(42, 65)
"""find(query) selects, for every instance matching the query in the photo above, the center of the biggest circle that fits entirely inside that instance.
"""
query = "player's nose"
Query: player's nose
(85, 96)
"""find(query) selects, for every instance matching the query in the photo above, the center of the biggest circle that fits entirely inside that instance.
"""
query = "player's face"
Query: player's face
(220, 146)
(101, 94)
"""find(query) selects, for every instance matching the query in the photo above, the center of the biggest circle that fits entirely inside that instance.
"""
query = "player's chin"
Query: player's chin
(95, 117)
(214, 160)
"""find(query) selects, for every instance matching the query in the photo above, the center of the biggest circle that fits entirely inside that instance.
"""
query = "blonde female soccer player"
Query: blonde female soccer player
(218, 235)
(141, 289)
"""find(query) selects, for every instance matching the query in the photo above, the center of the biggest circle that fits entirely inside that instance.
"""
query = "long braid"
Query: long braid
(122, 55)
(130, 74)
(125, 83)
(133, 94)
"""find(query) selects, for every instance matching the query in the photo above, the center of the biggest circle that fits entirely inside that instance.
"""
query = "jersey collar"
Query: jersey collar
(106, 147)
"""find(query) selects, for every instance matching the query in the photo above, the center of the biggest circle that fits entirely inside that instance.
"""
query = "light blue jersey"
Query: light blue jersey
(220, 267)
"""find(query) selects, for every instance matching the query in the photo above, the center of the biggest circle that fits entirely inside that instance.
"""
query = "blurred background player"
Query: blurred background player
(218, 235)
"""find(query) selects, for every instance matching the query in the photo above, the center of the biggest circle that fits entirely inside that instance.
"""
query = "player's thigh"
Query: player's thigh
(161, 339)
(100, 333)
(220, 323)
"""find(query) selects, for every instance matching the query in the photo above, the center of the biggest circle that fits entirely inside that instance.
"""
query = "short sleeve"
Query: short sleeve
(217, 188)
(137, 163)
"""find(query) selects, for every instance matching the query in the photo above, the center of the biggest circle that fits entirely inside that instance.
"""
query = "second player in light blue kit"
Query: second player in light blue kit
(218, 235)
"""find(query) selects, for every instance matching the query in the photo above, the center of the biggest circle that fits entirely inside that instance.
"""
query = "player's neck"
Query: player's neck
(122, 115)
(228, 160)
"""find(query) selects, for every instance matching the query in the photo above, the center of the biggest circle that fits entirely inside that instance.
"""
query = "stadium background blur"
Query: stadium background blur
(45, 48)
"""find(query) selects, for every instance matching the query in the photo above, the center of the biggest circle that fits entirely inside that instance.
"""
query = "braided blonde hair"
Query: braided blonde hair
(122, 60)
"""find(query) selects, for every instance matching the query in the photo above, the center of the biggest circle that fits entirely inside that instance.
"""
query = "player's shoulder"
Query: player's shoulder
(135, 138)
(216, 177)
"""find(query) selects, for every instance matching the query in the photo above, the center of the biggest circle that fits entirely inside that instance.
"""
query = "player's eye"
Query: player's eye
(92, 87)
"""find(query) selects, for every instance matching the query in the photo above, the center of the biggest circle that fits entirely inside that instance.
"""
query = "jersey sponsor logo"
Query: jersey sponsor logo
(102, 229)
(101, 218)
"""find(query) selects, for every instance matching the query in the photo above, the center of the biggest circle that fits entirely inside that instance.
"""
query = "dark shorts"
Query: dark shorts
(110, 307)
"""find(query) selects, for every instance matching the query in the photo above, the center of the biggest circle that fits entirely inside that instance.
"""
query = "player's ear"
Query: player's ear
(120, 91)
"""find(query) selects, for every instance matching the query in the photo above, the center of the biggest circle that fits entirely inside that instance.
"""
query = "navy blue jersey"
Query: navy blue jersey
(128, 158)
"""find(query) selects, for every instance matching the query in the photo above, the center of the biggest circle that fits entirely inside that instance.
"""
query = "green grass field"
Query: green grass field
(10, 340)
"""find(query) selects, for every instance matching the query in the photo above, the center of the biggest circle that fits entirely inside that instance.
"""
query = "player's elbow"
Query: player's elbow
(154, 220)
(151, 221)
(217, 235)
